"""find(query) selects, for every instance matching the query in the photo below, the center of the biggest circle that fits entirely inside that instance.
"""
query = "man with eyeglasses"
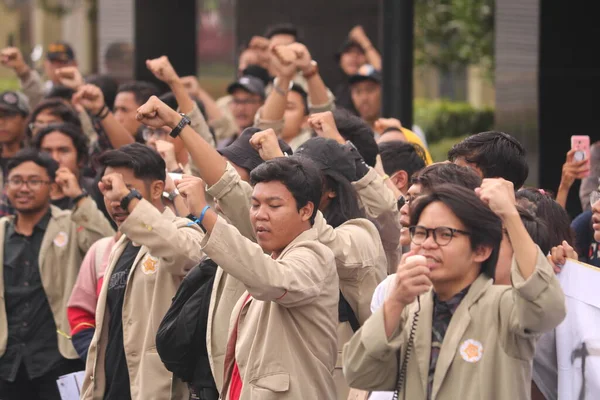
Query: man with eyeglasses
(14, 109)
(248, 95)
(42, 250)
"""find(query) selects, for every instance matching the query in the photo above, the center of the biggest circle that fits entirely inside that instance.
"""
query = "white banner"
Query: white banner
(578, 336)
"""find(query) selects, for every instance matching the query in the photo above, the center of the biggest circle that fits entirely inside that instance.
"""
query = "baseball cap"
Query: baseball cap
(249, 84)
(258, 72)
(60, 51)
(345, 47)
(330, 156)
(366, 72)
(14, 102)
(242, 154)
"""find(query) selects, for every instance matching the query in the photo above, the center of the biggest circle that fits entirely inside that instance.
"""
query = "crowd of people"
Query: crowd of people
(285, 241)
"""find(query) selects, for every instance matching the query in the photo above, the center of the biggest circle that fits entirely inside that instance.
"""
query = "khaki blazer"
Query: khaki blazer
(360, 262)
(68, 237)
(286, 332)
(487, 351)
(169, 249)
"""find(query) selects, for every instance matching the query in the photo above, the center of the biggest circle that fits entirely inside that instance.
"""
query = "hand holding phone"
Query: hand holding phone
(581, 145)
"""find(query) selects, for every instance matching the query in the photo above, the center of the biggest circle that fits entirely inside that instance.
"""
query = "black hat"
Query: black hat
(258, 72)
(60, 51)
(242, 154)
(331, 157)
(345, 47)
(14, 102)
(250, 84)
(366, 73)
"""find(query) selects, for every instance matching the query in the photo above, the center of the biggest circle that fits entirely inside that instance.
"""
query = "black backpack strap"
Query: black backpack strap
(346, 314)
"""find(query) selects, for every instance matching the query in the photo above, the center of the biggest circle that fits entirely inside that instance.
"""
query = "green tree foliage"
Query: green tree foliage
(453, 33)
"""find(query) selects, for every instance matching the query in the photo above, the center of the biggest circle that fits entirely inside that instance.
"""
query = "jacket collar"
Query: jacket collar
(311, 234)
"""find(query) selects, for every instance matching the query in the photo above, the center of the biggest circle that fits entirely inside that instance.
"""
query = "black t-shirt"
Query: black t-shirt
(117, 376)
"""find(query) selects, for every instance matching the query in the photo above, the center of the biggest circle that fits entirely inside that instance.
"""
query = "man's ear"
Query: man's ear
(306, 212)
(400, 180)
(156, 190)
(482, 253)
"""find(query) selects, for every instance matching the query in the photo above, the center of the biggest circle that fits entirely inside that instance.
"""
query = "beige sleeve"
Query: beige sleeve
(533, 306)
(224, 127)
(370, 358)
(234, 197)
(177, 244)
(198, 124)
(296, 279)
(381, 206)
(94, 223)
(33, 87)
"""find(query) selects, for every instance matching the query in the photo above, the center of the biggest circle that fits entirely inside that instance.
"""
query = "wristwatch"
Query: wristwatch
(133, 194)
(83, 194)
(280, 90)
(171, 195)
(177, 130)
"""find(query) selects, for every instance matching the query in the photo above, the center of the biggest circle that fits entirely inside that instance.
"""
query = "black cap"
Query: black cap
(366, 73)
(331, 157)
(14, 102)
(250, 84)
(258, 72)
(345, 47)
(242, 154)
(60, 51)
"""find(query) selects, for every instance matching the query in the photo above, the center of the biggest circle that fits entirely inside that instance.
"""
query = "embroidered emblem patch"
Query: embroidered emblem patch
(149, 264)
(61, 239)
(471, 350)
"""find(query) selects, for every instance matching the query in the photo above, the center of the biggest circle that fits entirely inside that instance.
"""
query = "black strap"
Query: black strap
(346, 314)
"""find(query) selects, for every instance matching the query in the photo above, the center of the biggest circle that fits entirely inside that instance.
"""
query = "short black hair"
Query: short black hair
(496, 154)
(357, 131)
(61, 92)
(298, 89)
(80, 141)
(401, 156)
(108, 85)
(344, 206)
(536, 228)
(299, 175)
(143, 160)
(41, 159)
(284, 28)
(440, 173)
(543, 206)
(56, 107)
(484, 226)
(141, 90)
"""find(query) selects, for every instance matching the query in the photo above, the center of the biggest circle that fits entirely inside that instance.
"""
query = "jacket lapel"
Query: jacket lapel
(422, 339)
(51, 231)
(458, 325)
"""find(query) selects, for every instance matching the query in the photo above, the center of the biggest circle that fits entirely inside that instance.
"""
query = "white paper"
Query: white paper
(69, 386)
(578, 336)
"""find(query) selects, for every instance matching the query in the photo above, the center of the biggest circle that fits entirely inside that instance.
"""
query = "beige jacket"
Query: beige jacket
(68, 237)
(359, 256)
(170, 248)
(381, 206)
(286, 332)
(487, 351)
(33, 88)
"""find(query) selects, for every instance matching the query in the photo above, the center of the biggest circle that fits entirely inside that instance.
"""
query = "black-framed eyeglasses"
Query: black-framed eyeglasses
(442, 235)
(16, 183)
(401, 202)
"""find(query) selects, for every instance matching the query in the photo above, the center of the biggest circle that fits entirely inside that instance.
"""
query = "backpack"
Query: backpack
(181, 336)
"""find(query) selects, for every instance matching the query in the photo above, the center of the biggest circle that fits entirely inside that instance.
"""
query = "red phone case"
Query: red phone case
(581, 143)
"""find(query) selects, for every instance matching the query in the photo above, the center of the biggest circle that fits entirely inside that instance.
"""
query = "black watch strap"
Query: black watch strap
(177, 130)
(133, 194)
(83, 194)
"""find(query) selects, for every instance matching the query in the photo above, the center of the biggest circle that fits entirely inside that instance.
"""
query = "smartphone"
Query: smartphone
(581, 145)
